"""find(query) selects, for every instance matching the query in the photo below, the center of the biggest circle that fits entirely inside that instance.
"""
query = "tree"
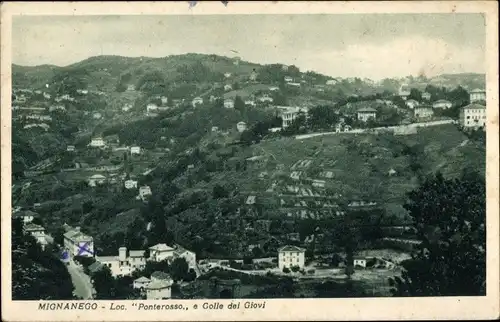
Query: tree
(449, 218)
(179, 269)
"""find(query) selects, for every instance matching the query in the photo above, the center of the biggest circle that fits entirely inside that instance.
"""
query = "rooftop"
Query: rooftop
(142, 279)
(474, 106)
(441, 101)
(33, 227)
(477, 90)
(159, 275)
(289, 248)
(161, 247)
(158, 285)
(136, 253)
(367, 110)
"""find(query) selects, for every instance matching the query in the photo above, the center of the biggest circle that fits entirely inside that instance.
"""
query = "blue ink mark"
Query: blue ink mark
(65, 255)
(83, 247)
(192, 4)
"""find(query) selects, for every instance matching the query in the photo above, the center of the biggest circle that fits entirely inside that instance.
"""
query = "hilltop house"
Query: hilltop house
(411, 103)
(289, 256)
(97, 142)
(423, 112)
(123, 265)
(477, 95)
(38, 232)
(473, 116)
(160, 252)
(331, 82)
(241, 126)
(228, 103)
(144, 192)
(141, 283)
(444, 104)
(130, 184)
(426, 96)
(197, 101)
(126, 107)
(228, 87)
(160, 286)
(77, 243)
(364, 114)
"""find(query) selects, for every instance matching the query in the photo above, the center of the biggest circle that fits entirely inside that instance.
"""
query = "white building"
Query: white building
(38, 232)
(144, 192)
(46, 95)
(288, 79)
(290, 114)
(473, 116)
(96, 179)
(265, 99)
(228, 87)
(188, 255)
(97, 142)
(70, 148)
(241, 126)
(123, 265)
(151, 108)
(130, 184)
(477, 95)
(141, 283)
(444, 104)
(78, 243)
(250, 102)
(215, 129)
(135, 150)
(289, 256)
(227, 75)
(130, 87)
(229, 103)
(411, 103)
(423, 112)
(367, 113)
(331, 82)
(97, 116)
(160, 252)
(164, 100)
(57, 108)
(197, 101)
(159, 289)
(359, 261)
(274, 88)
(126, 107)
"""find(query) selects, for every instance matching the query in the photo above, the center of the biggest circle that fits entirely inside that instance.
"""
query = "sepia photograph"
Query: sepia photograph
(156, 158)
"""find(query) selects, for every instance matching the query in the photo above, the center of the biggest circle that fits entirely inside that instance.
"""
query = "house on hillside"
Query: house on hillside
(364, 114)
(229, 103)
(97, 142)
(38, 232)
(331, 82)
(477, 95)
(274, 88)
(423, 112)
(404, 91)
(97, 116)
(253, 76)
(26, 216)
(70, 148)
(197, 101)
(151, 108)
(160, 252)
(228, 87)
(227, 75)
(289, 114)
(76, 243)
(46, 96)
(130, 87)
(57, 108)
(289, 256)
(359, 262)
(250, 102)
(127, 107)
(135, 150)
(144, 192)
(164, 100)
(123, 265)
(426, 96)
(189, 256)
(411, 103)
(288, 79)
(473, 116)
(130, 184)
(241, 126)
(265, 99)
(444, 104)
(96, 179)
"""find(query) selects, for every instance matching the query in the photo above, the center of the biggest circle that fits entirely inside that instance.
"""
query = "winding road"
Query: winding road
(81, 281)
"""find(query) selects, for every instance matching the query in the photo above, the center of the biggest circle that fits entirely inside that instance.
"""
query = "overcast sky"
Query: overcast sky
(373, 46)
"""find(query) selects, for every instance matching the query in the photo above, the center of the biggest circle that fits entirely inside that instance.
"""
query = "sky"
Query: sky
(374, 46)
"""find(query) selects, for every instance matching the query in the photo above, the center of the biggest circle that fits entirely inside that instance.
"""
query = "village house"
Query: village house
(253, 76)
(70, 148)
(411, 103)
(46, 95)
(288, 79)
(57, 108)
(96, 179)
(426, 96)
(477, 95)
(160, 252)
(423, 112)
(126, 107)
(250, 102)
(123, 265)
(144, 192)
(164, 100)
(289, 256)
(228, 87)
(364, 114)
(77, 243)
(44, 126)
(189, 256)
(289, 114)
(241, 126)
(293, 84)
(227, 75)
(38, 232)
(274, 88)
(135, 150)
(359, 262)
(141, 283)
(215, 129)
(160, 287)
(26, 216)
(130, 87)
(97, 142)
(82, 91)
(229, 103)
(473, 116)
(284, 68)
(151, 107)
(331, 82)
(404, 91)
(265, 98)
(444, 104)
(197, 101)
(130, 184)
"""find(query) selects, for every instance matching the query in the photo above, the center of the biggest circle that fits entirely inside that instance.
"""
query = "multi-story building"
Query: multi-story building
(77, 243)
(473, 116)
(477, 95)
(367, 113)
(290, 256)
(123, 265)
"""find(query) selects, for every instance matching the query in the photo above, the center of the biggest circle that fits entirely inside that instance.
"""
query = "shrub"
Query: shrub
(286, 270)
(295, 269)
(311, 271)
